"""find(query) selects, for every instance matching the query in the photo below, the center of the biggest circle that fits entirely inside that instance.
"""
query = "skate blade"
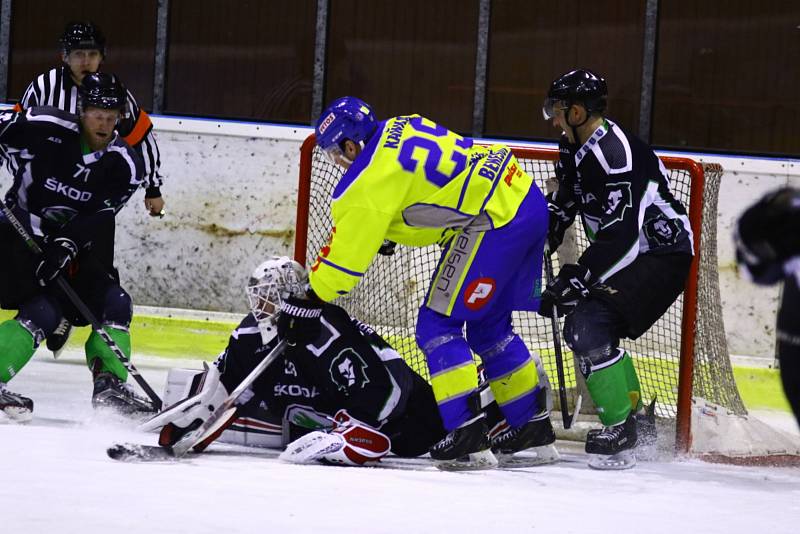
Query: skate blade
(615, 462)
(18, 415)
(475, 461)
(546, 454)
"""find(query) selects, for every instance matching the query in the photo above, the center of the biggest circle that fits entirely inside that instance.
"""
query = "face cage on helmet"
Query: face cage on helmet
(273, 291)
(259, 295)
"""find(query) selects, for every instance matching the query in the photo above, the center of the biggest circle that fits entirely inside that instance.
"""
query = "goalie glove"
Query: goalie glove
(351, 442)
(566, 290)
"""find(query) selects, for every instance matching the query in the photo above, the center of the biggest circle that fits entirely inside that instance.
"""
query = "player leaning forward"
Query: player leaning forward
(636, 264)
(413, 182)
(74, 174)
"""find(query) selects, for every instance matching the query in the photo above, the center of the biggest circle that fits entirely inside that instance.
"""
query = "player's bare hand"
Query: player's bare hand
(155, 206)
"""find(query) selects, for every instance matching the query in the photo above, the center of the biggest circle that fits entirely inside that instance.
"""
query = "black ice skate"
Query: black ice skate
(59, 337)
(465, 448)
(15, 406)
(614, 445)
(111, 392)
(536, 438)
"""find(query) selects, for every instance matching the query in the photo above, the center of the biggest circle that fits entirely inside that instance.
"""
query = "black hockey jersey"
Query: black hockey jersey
(56, 88)
(622, 192)
(349, 367)
(61, 189)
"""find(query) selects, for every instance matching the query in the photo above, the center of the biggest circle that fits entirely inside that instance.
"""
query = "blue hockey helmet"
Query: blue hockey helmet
(345, 118)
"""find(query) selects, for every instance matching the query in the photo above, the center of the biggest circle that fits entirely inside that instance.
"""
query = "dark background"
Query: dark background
(727, 74)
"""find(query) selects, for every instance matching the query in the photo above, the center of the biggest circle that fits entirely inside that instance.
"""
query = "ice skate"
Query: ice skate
(533, 440)
(612, 447)
(15, 406)
(111, 392)
(466, 448)
(58, 339)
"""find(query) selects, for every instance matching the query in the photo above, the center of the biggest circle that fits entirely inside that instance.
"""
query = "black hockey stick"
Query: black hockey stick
(83, 309)
(562, 389)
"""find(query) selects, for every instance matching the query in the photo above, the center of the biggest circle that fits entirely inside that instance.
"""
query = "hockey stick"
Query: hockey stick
(190, 439)
(562, 390)
(83, 309)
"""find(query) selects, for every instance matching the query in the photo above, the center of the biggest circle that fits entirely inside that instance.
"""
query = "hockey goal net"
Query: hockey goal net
(683, 357)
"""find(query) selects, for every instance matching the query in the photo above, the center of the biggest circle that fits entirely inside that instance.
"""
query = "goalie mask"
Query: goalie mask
(271, 282)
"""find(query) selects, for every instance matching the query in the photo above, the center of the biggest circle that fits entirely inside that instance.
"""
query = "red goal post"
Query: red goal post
(683, 356)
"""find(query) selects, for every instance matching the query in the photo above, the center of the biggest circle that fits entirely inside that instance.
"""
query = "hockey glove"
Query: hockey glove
(55, 259)
(387, 248)
(768, 234)
(566, 290)
(558, 222)
(299, 321)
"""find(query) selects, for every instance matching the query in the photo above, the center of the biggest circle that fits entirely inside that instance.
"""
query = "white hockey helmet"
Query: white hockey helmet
(274, 280)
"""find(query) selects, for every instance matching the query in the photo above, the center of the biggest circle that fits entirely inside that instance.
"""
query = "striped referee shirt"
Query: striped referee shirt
(56, 88)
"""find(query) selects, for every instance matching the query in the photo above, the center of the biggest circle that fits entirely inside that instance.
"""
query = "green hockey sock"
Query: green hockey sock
(634, 388)
(96, 348)
(611, 392)
(16, 349)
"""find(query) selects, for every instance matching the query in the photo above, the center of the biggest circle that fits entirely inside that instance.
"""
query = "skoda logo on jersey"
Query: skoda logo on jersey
(59, 214)
(289, 368)
(619, 199)
(478, 293)
(68, 191)
(348, 370)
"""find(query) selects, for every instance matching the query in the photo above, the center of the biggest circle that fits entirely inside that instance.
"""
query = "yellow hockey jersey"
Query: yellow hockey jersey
(415, 183)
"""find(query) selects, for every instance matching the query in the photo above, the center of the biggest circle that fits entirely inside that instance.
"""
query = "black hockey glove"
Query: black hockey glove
(56, 257)
(299, 321)
(768, 234)
(387, 248)
(566, 290)
(558, 223)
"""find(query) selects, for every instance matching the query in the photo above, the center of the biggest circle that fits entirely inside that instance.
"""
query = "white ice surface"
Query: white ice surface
(56, 478)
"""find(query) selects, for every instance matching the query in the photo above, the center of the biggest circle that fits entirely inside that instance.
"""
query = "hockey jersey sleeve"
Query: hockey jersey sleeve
(616, 242)
(137, 131)
(353, 243)
(561, 206)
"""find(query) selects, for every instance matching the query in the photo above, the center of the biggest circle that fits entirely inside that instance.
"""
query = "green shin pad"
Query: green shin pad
(96, 348)
(634, 388)
(614, 390)
(16, 349)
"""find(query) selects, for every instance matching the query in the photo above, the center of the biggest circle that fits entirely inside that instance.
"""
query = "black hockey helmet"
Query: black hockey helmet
(102, 90)
(83, 36)
(577, 86)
